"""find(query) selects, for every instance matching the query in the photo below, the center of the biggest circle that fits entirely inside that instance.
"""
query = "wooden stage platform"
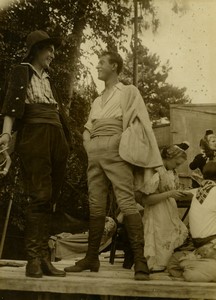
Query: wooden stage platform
(111, 281)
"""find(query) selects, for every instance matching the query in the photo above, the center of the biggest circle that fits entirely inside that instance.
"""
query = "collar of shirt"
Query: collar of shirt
(42, 76)
(118, 85)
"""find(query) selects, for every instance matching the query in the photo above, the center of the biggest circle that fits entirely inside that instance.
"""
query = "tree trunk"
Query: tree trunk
(135, 59)
(80, 22)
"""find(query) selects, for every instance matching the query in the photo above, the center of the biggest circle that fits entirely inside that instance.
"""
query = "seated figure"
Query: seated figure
(163, 229)
(208, 153)
(202, 214)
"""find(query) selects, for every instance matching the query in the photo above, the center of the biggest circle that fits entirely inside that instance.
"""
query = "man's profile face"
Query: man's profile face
(45, 56)
(105, 68)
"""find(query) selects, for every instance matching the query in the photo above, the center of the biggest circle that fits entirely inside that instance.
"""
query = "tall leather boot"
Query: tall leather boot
(128, 252)
(46, 265)
(91, 261)
(134, 226)
(32, 244)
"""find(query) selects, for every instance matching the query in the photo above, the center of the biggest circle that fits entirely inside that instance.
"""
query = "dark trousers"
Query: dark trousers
(43, 152)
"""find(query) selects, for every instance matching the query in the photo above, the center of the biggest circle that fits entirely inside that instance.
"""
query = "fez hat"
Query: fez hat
(40, 37)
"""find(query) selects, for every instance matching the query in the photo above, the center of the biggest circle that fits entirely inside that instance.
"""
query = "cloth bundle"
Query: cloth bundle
(196, 266)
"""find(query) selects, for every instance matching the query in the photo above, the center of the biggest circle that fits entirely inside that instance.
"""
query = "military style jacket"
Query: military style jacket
(15, 96)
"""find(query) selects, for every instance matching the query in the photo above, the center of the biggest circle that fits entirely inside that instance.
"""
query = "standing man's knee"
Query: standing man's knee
(97, 207)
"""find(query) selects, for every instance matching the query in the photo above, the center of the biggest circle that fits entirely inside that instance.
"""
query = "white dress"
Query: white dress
(163, 228)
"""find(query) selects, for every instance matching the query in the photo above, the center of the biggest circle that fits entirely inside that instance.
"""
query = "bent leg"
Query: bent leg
(120, 174)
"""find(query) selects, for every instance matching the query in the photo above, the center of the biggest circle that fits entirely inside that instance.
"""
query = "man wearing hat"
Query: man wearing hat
(31, 107)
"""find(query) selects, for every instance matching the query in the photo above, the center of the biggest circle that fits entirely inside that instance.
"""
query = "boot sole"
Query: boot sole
(127, 266)
(53, 275)
(80, 270)
(141, 277)
(34, 276)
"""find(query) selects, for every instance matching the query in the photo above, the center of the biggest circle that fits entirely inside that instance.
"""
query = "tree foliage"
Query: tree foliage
(77, 22)
(101, 24)
(157, 93)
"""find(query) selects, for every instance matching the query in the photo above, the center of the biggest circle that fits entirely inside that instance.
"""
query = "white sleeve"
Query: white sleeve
(210, 201)
(88, 124)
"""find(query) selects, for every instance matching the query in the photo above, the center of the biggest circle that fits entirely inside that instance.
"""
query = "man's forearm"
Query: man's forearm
(86, 136)
(8, 124)
(5, 137)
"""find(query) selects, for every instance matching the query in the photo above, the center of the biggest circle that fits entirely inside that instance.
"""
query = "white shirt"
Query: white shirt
(202, 217)
(110, 109)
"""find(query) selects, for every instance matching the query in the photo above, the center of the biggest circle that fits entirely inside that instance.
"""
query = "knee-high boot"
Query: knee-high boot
(33, 243)
(46, 265)
(135, 232)
(91, 261)
(128, 253)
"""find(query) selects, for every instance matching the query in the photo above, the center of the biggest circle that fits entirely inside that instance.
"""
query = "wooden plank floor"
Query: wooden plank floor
(110, 280)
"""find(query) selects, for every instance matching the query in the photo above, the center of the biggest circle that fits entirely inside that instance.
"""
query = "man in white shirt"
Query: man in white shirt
(202, 215)
(112, 117)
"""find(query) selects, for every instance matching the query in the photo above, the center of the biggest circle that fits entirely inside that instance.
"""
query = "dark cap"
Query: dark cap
(40, 37)
(209, 131)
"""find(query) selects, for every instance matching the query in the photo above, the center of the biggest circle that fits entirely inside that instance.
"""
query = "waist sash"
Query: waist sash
(41, 113)
(106, 127)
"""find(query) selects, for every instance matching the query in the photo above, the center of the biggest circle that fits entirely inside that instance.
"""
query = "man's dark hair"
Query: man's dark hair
(114, 57)
(209, 171)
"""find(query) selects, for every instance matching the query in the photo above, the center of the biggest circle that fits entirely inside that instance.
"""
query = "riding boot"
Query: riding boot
(134, 226)
(91, 261)
(32, 244)
(126, 247)
(46, 265)
(128, 253)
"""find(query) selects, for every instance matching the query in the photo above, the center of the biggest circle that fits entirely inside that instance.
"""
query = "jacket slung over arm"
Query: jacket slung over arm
(138, 144)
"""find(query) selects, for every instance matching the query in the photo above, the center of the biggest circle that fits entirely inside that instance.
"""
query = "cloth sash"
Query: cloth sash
(41, 113)
(106, 127)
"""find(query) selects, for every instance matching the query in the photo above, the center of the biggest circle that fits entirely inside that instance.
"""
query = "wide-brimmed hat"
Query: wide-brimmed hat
(40, 37)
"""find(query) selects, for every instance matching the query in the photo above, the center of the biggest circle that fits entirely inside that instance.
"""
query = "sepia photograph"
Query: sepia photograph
(107, 149)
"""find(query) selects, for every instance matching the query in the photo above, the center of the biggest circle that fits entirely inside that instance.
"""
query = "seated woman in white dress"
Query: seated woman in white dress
(163, 229)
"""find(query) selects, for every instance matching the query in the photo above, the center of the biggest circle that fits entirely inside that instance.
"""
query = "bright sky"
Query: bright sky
(4, 3)
(188, 41)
